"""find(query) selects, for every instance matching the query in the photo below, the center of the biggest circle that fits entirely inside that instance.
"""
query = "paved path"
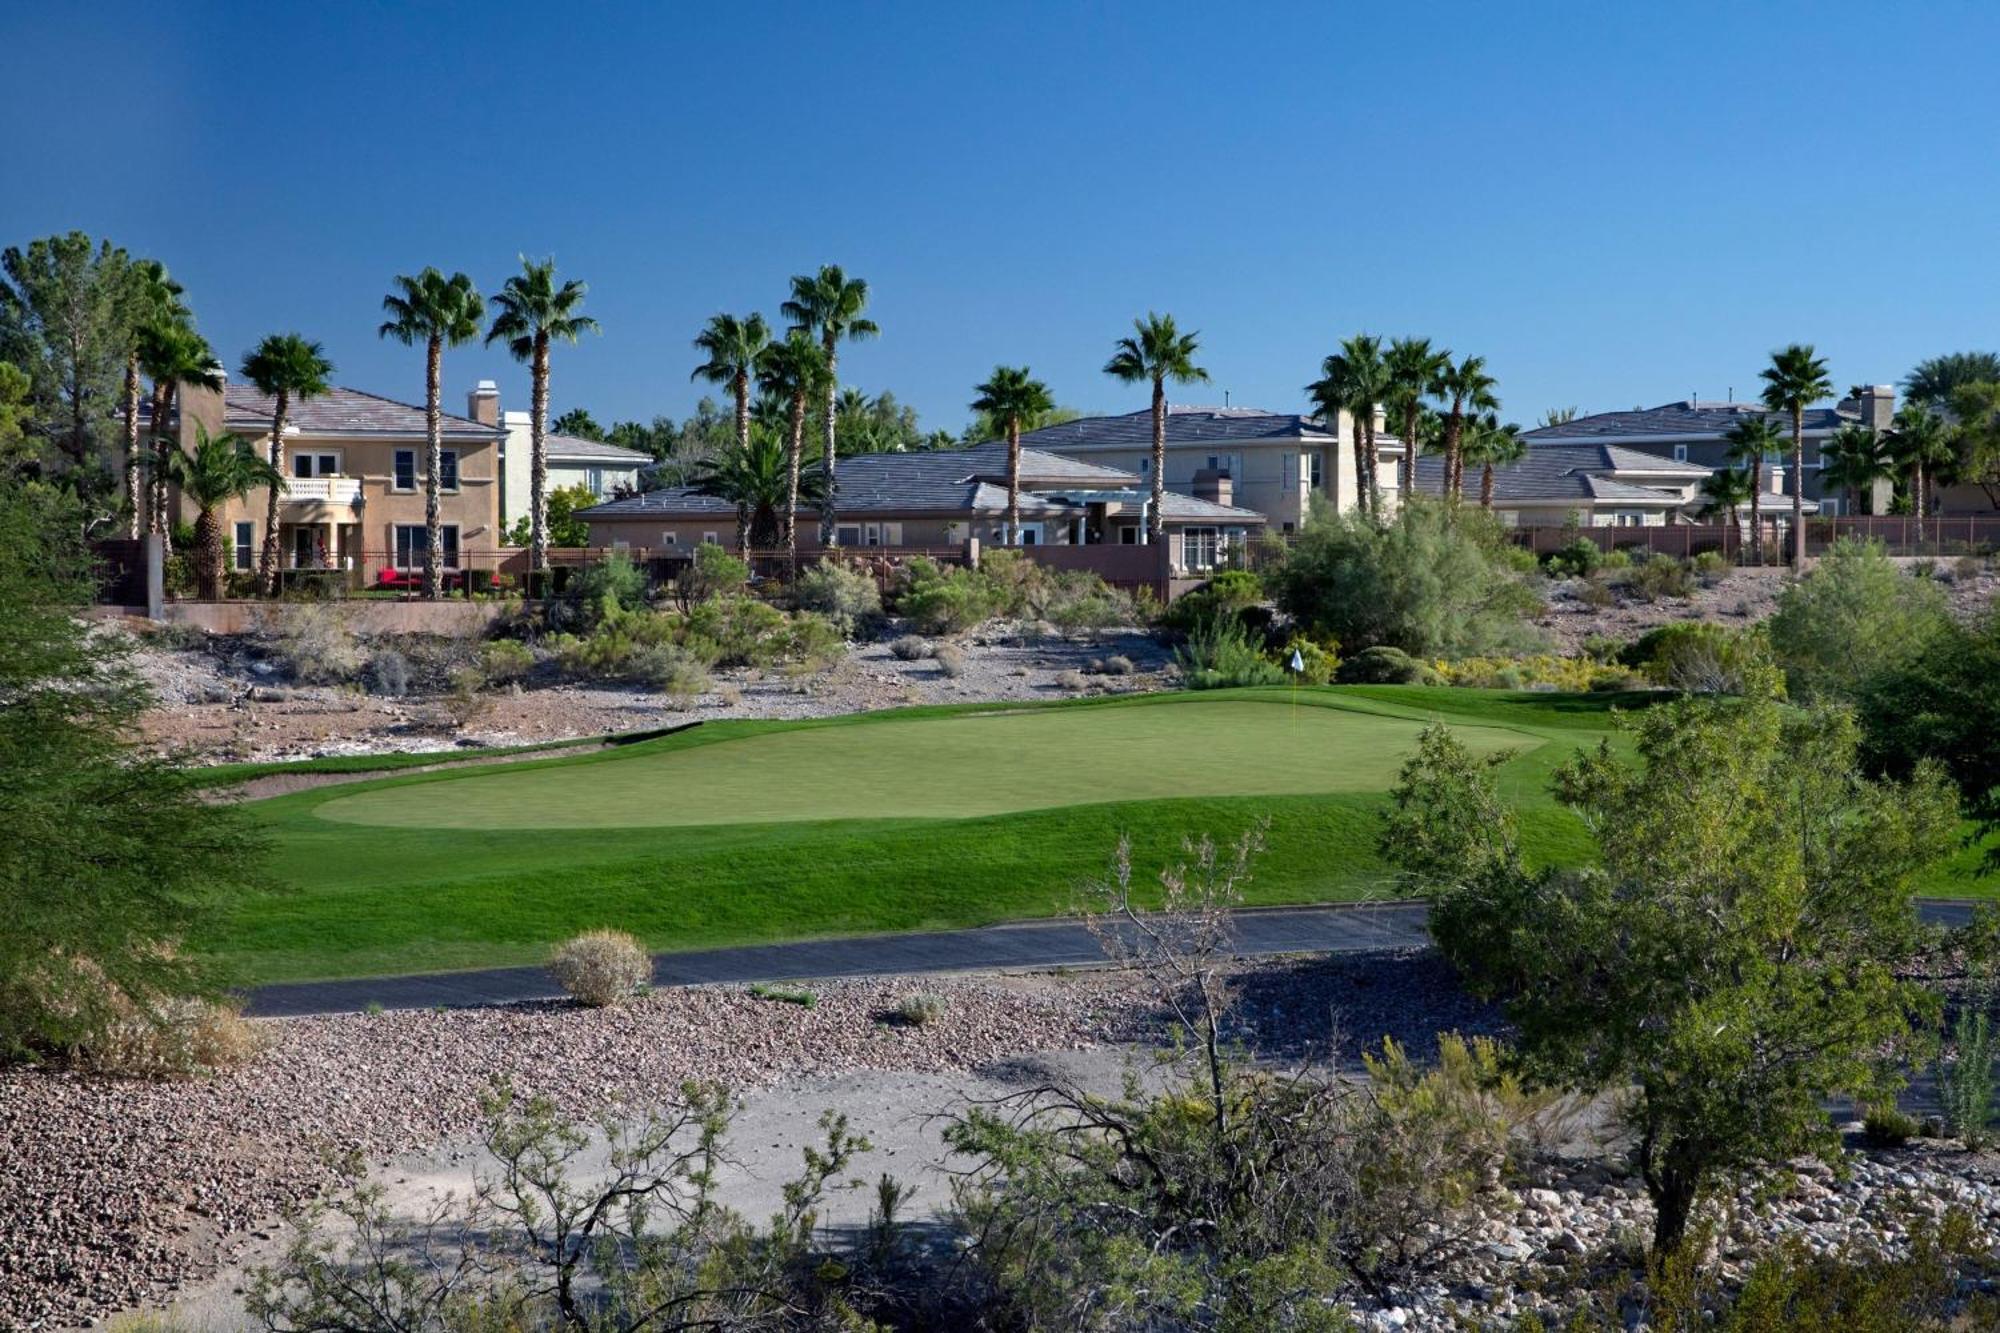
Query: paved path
(1349, 928)
(1340, 928)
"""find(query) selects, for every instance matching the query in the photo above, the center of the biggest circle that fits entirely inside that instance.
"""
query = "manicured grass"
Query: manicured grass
(228, 775)
(914, 819)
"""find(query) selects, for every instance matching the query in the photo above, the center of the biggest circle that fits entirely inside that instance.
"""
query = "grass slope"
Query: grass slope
(936, 824)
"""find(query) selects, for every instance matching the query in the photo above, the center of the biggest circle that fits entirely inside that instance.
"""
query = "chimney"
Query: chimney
(483, 403)
(1878, 406)
(198, 404)
(1214, 485)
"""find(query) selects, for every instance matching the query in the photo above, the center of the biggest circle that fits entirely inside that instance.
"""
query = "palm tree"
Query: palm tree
(439, 312)
(828, 304)
(793, 369)
(1751, 441)
(1920, 443)
(219, 469)
(1157, 352)
(757, 478)
(534, 312)
(286, 366)
(1934, 380)
(1853, 461)
(733, 346)
(1470, 389)
(1795, 380)
(1725, 491)
(150, 297)
(1354, 380)
(1416, 375)
(1011, 395)
(172, 354)
(1492, 445)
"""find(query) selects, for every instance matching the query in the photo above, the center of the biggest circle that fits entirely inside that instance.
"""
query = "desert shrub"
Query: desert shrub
(601, 967)
(1229, 593)
(1317, 662)
(1887, 1127)
(797, 995)
(1602, 648)
(1072, 681)
(313, 642)
(814, 639)
(911, 648)
(1573, 675)
(181, 1038)
(940, 601)
(1434, 582)
(464, 700)
(1966, 1082)
(1942, 706)
(1221, 653)
(1080, 602)
(745, 631)
(1854, 616)
(921, 1009)
(609, 588)
(1118, 665)
(1703, 658)
(1709, 567)
(710, 572)
(950, 660)
(844, 595)
(1661, 576)
(670, 668)
(503, 661)
(1574, 560)
(1016, 585)
(1382, 666)
(1618, 560)
(389, 673)
(1595, 592)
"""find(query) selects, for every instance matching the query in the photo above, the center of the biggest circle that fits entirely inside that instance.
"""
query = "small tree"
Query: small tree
(1854, 616)
(219, 469)
(1728, 962)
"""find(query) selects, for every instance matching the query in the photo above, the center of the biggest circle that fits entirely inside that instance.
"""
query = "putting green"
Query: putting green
(956, 767)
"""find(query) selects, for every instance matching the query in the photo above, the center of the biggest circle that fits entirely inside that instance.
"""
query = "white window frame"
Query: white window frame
(711, 539)
(1680, 453)
(1209, 538)
(419, 538)
(243, 545)
(315, 460)
(668, 537)
(1021, 535)
(396, 471)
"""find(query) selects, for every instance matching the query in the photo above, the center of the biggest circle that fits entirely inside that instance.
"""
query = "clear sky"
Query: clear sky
(1616, 203)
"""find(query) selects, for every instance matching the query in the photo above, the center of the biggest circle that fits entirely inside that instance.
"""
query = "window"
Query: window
(1198, 548)
(1229, 463)
(1128, 536)
(411, 543)
(406, 470)
(594, 478)
(1314, 462)
(1680, 453)
(246, 542)
(1031, 534)
(1626, 518)
(847, 534)
(711, 539)
(669, 538)
(448, 469)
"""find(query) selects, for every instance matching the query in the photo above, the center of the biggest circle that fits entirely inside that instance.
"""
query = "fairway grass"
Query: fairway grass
(915, 819)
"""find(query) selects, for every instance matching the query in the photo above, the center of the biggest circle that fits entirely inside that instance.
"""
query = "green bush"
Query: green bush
(1576, 559)
(1222, 653)
(846, 596)
(747, 632)
(1853, 617)
(910, 648)
(1382, 666)
(1887, 1127)
(939, 601)
(1435, 582)
(1966, 1082)
(1702, 658)
(608, 588)
(1318, 664)
(1080, 601)
(1941, 706)
(712, 572)
(1662, 576)
(504, 661)
(1229, 593)
(814, 640)
(1709, 566)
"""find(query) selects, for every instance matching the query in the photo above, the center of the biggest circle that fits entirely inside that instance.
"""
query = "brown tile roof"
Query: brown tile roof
(343, 412)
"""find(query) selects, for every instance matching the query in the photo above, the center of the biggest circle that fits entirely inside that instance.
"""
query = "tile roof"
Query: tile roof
(1185, 425)
(593, 451)
(1689, 419)
(342, 412)
(1559, 472)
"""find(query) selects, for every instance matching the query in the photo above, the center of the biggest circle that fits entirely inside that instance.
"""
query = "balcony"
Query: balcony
(323, 490)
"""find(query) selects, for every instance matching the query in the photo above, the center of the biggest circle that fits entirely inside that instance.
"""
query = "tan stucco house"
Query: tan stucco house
(354, 497)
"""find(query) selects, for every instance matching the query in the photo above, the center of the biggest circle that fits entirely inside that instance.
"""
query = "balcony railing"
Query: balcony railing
(323, 490)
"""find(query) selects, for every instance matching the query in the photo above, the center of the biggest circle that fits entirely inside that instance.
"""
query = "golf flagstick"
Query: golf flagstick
(1298, 665)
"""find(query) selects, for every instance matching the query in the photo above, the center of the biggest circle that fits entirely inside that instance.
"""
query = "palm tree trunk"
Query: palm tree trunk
(795, 443)
(132, 497)
(1798, 487)
(267, 560)
(538, 456)
(208, 548)
(1409, 454)
(829, 504)
(1156, 523)
(1013, 481)
(1371, 461)
(1917, 499)
(741, 386)
(163, 444)
(1486, 488)
(433, 464)
(1454, 426)
(1757, 509)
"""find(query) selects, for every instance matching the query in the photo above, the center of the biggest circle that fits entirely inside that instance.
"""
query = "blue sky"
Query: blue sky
(1616, 204)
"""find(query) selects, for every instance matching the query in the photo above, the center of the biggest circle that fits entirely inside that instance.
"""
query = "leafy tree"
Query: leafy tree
(286, 366)
(732, 346)
(1725, 491)
(14, 390)
(1922, 445)
(1796, 379)
(1854, 460)
(565, 528)
(1935, 380)
(218, 470)
(1012, 396)
(1469, 389)
(1731, 956)
(1492, 445)
(150, 297)
(172, 354)
(1356, 380)
(828, 305)
(111, 857)
(1157, 352)
(1853, 617)
(794, 370)
(1941, 705)
(534, 313)
(1976, 437)
(1422, 582)
(1751, 441)
(1416, 376)
(63, 320)
(578, 424)
(758, 481)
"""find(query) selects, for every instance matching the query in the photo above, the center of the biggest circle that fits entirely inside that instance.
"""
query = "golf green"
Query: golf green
(953, 767)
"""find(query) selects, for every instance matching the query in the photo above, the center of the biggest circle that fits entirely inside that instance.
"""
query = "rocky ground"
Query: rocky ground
(225, 698)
